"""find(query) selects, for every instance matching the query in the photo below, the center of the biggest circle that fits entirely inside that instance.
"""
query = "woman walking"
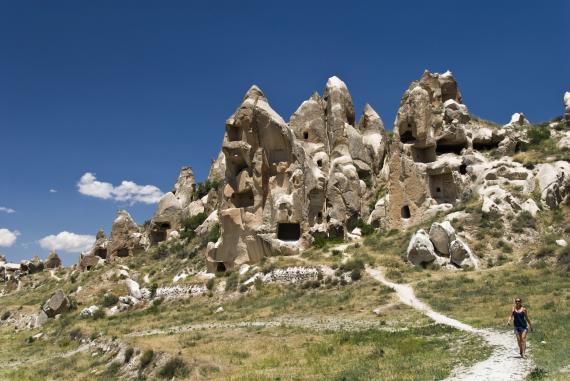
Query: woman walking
(519, 315)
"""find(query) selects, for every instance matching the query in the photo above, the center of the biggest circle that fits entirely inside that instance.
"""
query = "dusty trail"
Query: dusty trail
(503, 364)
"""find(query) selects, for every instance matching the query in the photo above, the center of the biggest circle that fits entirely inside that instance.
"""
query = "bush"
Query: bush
(537, 134)
(113, 369)
(537, 373)
(75, 334)
(214, 234)
(190, 224)
(129, 354)
(210, 284)
(355, 274)
(204, 188)
(174, 368)
(365, 229)
(153, 289)
(523, 221)
(146, 358)
(98, 314)
(109, 300)
(5, 315)
(232, 282)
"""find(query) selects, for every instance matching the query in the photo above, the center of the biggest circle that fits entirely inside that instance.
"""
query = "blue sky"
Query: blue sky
(133, 90)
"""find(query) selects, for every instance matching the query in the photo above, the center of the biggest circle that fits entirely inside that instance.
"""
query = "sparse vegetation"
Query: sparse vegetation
(175, 367)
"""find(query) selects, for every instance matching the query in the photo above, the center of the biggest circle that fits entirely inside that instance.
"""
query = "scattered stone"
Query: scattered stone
(461, 255)
(134, 288)
(561, 242)
(89, 311)
(57, 304)
(441, 235)
(421, 250)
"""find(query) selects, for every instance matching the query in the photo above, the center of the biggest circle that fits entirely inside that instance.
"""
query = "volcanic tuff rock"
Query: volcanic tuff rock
(52, 261)
(567, 108)
(276, 186)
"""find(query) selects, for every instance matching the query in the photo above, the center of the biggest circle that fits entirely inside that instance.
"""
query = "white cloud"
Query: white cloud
(7, 210)
(7, 237)
(53, 190)
(127, 191)
(67, 241)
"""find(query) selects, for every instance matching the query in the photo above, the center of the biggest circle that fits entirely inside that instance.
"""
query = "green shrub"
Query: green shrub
(524, 220)
(190, 224)
(214, 234)
(129, 354)
(146, 358)
(537, 373)
(174, 368)
(210, 284)
(5, 315)
(537, 134)
(98, 314)
(232, 281)
(109, 300)
(113, 369)
(355, 274)
(153, 289)
(204, 188)
(75, 334)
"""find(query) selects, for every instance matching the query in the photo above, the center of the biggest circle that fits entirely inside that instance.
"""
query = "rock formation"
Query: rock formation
(567, 108)
(57, 304)
(126, 237)
(275, 186)
(52, 261)
(285, 182)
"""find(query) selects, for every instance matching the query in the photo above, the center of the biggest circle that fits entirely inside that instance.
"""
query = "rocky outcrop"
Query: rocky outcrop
(57, 304)
(126, 237)
(460, 255)
(567, 108)
(284, 180)
(33, 266)
(52, 261)
(441, 235)
(441, 246)
(421, 251)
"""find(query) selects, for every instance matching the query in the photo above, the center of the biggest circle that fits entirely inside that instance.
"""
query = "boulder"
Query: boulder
(134, 288)
(420, 249)
(461, 255)
(441, 235)
(531, 207)
(89, 311)
(52, 261)
(57, 304)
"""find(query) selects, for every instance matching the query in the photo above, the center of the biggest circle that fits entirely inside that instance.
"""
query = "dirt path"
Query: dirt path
(503, 364)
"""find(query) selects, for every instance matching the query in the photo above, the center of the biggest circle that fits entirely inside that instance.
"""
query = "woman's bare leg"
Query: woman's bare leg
(523, 343)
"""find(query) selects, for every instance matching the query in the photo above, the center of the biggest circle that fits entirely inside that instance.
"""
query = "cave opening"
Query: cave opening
(288, 231)
(159, 232)
(485, 146)
(220, 267)
(406, 212)
(423, 155)
(243, 199)
(407, 137)
(463, 169)
(449, 148)
(101, 253)
(123, 252)
(306, 135)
